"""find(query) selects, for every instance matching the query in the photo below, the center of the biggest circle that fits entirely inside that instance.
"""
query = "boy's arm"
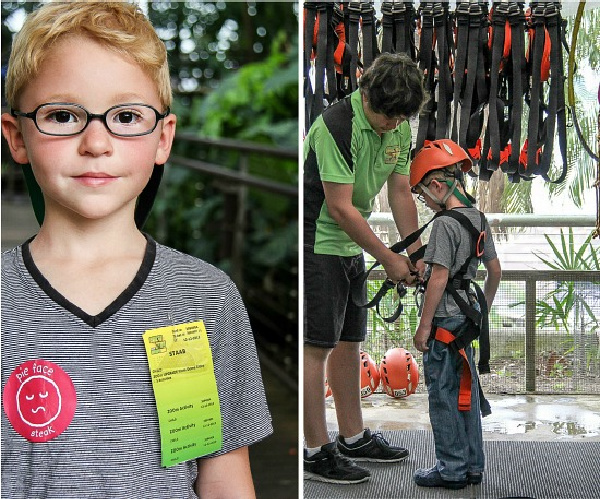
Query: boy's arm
(492, 281)
(225, 477)
(435, 289)
(339, 203)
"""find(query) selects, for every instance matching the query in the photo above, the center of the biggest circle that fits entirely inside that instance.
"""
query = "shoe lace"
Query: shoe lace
(378, 438)
(341, 460)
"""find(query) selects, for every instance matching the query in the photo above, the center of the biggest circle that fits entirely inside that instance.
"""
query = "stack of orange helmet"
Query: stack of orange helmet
(399, 373)
(369, 375)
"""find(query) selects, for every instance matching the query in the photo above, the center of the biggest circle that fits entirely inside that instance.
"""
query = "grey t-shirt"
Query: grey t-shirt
(111, 448)
(450, 245)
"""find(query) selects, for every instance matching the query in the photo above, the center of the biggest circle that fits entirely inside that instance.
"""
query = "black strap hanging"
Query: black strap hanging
(398, 23)
(546, 26)
(427, 64)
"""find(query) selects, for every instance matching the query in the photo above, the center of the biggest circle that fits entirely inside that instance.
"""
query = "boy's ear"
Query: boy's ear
(12, 133)
(166, 139)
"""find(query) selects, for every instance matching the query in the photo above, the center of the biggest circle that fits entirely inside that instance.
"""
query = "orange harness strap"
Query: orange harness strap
(464, 394)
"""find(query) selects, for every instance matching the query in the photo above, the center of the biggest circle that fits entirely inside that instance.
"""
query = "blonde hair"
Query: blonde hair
(118, 26)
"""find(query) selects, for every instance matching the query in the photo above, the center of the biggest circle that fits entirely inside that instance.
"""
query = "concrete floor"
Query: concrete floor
(514, 417)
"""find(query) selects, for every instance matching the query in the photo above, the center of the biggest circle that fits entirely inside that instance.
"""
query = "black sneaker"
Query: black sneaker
(328, 465)
(372, 447)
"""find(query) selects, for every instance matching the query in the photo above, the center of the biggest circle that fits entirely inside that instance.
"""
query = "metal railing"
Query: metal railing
(236, 183)
(274, 309)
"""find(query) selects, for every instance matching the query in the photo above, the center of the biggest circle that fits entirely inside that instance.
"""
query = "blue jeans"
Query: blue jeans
(457, 434)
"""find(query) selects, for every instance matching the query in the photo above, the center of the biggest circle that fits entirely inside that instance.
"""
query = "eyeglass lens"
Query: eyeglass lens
(70, 119)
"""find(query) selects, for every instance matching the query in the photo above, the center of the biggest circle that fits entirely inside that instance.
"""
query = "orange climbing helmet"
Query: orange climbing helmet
(369, 375)
(399, 373)
(436, 155)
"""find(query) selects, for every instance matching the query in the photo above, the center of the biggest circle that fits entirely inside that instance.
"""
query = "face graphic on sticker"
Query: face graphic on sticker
(38, 401)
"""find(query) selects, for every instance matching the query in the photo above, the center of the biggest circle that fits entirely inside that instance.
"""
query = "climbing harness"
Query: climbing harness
(399, 23)
(508, 82)
(479, 320)
(485, 65)
(546, 33)
(435, 58)
(470, 74)
(464, 393)
(318, 46)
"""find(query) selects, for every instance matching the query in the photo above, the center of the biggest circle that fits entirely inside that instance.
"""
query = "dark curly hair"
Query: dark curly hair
(393, 85)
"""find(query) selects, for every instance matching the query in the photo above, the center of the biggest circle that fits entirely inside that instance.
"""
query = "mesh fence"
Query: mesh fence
(544, 324)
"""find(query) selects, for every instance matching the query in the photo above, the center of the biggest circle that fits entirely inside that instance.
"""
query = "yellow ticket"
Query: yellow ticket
(185, 390)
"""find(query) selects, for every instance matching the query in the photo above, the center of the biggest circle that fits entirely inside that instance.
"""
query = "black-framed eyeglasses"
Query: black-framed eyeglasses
(419, 193)
(64, 119)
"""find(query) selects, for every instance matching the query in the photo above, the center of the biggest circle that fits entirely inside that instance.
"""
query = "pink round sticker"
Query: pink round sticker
(39, 400)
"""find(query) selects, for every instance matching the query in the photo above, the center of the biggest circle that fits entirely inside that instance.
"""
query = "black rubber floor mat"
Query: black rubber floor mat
(523, 469)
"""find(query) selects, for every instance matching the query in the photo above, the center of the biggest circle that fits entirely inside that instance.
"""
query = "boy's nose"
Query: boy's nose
(96, 140)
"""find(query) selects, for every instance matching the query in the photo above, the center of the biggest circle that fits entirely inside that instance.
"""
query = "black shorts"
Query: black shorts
(330, 315)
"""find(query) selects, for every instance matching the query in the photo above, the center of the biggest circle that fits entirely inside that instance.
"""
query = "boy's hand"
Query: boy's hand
(420, 266)
(421, 337)
(399, 268)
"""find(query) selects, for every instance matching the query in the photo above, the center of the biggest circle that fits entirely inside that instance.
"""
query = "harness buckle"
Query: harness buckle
(480, 246)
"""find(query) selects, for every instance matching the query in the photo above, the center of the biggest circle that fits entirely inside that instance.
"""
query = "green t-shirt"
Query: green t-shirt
(342, 147)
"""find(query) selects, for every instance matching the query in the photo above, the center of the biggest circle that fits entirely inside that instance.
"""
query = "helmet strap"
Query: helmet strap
(35, 193)
(453, 190)
(437, 201)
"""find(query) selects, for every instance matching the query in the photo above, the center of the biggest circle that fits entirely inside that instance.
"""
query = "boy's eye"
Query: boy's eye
(127, 117)
(61, 116)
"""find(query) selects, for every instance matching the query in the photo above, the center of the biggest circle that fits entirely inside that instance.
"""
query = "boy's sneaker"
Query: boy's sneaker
(328, 465)
(372, 447)
(474, 477)
(431, 478)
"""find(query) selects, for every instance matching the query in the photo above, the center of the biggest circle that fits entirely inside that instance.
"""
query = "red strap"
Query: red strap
(475, 152)
(338, 55)
(464, 393)
(523, 155)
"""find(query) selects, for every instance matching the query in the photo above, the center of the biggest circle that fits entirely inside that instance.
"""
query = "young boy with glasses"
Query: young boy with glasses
(452, 314)
(128, 368)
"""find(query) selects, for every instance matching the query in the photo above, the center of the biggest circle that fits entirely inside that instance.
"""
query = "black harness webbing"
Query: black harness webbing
(443, 27)
(320, 13)
(387, 285)
(369, 52)
(545, 17)
(398, 23)
(496, 106)
(354, 11)
(470, 91)
(427, 63)
(516, 19)
(310, 13)
(556, 107)
(507, 82)
(146, 199)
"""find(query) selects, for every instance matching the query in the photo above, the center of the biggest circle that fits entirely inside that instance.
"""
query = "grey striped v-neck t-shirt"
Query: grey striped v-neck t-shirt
(111, 447)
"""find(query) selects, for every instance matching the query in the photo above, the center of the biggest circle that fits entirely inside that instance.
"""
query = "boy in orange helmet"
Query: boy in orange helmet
(452, 314)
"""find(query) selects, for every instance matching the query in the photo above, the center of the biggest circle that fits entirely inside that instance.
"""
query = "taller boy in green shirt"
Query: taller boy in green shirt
(350, 152)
